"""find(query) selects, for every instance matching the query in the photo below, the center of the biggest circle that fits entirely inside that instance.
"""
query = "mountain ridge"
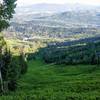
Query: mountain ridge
(42, 7)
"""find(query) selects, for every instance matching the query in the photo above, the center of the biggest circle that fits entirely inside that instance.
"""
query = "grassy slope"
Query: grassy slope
(58, 82)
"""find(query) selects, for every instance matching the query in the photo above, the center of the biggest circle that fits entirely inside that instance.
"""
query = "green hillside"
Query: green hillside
(57, 82)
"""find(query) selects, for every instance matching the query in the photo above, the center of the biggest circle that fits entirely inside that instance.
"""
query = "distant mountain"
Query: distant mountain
(87, 17)
(43, 7)
(37, 8)
(35, 11)
(53, 20)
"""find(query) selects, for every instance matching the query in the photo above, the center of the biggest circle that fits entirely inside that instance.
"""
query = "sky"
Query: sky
(30, 2)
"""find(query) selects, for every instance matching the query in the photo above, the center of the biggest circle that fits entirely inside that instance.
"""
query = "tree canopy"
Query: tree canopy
(6, 12)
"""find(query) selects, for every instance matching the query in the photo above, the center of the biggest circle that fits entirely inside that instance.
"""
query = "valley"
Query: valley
(51, 52)
(55, 24)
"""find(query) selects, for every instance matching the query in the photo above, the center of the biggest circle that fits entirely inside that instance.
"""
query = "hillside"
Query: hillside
(58, 82)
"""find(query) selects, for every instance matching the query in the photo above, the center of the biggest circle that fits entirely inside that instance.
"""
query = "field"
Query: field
(57, 82)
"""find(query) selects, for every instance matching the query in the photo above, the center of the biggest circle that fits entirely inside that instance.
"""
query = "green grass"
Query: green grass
(57, 82)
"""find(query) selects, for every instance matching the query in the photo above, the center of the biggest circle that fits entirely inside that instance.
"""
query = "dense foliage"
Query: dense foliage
(6, 12)
(83, 51)
(10, 67)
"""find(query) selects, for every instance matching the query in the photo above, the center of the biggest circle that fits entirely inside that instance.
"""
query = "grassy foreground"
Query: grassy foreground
(57, 82)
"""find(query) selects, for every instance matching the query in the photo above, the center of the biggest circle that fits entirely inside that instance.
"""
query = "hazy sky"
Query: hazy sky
(29, 2)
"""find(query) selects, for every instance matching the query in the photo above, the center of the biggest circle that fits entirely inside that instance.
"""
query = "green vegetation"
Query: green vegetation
(57, 82)
(76, 52)
(16, 45)
(11, 67)
(6, 12)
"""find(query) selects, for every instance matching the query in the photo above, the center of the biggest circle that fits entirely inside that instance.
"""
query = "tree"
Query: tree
(6, 13)
(2, 50)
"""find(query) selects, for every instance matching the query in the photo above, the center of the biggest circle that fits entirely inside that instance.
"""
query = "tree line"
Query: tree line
(79, 53)
(88, 53)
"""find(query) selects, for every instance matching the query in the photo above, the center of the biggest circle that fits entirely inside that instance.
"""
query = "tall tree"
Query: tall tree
(6, 13)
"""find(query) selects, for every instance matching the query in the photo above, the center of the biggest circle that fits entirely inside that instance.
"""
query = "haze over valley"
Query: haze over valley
(56, 20)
